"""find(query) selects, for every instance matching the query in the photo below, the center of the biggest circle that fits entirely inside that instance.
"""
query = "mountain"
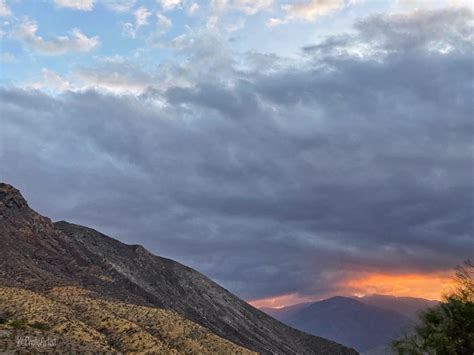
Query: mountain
(347, 321)
(88, 324)
(408, 306)
(40, 256)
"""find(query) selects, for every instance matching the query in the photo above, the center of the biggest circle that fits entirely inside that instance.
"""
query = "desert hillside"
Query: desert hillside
(83, 322)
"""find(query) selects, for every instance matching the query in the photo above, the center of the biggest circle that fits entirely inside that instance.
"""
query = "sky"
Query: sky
(289, 150)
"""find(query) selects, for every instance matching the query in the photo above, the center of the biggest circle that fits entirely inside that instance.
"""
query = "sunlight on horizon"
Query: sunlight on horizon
(427, 286)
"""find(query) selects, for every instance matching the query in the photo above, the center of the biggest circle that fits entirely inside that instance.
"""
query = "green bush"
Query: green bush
(39, 325)
(17, 324)
(3, 320)
(447, 329)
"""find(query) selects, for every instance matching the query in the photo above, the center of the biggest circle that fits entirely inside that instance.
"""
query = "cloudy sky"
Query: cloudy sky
(290, 150)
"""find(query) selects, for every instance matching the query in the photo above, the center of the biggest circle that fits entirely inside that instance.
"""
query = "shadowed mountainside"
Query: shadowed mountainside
(345, 320)
(39, 256)
(408, 306)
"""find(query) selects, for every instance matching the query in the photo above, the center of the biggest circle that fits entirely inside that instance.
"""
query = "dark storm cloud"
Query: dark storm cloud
(269, 179)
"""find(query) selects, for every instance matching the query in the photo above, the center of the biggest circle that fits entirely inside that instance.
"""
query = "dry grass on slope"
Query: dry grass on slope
(34, 341)
(73, 314)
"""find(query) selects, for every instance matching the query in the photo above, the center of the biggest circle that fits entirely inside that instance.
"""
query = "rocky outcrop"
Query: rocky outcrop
(11, 197)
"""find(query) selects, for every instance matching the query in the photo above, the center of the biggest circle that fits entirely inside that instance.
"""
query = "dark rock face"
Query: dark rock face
(37, 254)
(33, 253)
(11, 197)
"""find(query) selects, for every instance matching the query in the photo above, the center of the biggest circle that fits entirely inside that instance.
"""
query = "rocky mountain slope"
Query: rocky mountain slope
(100, 325)
(39, 256)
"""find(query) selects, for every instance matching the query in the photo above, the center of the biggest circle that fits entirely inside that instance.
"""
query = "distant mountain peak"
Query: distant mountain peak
(11, 197)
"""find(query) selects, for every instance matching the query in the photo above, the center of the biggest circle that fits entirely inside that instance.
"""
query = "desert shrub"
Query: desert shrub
(39, 325)
(17, 324)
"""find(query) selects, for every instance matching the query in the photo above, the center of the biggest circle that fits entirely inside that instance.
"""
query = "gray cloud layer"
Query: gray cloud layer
(268, 175)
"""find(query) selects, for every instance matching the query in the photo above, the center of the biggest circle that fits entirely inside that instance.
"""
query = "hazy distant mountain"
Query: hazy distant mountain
(347, 321)
(405, 308)
(283, 313)
(408, 306)
(97, 281)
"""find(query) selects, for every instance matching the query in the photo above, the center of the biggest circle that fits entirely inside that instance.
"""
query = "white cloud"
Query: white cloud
(193, 8)
(271, 22)
(4, 9)
(219, 23)
(76, 41)
(219, 5)
(249, 7)
(168, 5)
(229, 15)
(128, 30)
(163, 21)
(212, 22)
(50, 80)
(115, 75)
(141, 19)
(84, 5)
(466, 3)
(141, 16)
(311, 10)
(410, 6)
(119, 5)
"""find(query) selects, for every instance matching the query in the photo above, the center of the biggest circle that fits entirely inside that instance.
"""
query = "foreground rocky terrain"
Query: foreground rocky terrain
(89, 323)
(95, 277)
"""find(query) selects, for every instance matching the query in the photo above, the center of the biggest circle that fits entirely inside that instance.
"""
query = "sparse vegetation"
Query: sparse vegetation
(39, 325)
(77, 316)
(446, 329)
(17, 324)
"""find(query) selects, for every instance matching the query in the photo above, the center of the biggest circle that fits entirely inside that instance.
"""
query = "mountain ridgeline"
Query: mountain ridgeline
(52, 260)
(366, 323)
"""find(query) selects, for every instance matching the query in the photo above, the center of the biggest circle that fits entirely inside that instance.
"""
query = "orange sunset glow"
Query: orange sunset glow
(428, 286)
(281, 301)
